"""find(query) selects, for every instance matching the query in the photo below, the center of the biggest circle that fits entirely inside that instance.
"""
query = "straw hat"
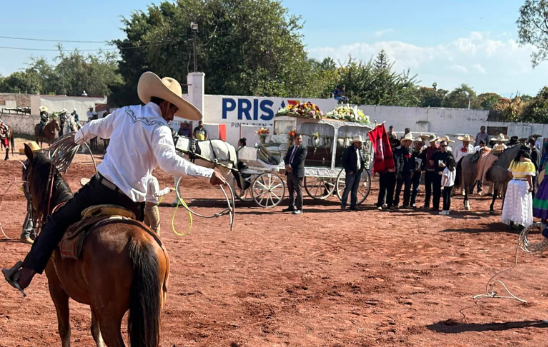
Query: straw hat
(32, 145)
(431, 138)
(446, 139)
(357, 138)
(419, 139)
(499, 138)
(407, 137)
(466, 138)
(43, 109)
(168, 89)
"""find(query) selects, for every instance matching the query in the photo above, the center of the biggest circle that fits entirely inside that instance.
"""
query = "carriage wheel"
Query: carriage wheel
(363, 189)
(319, 188)
(268, 190)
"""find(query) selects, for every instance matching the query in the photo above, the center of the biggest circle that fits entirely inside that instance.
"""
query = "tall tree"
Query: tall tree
(461, 97)
(487, 101)
(245, 47)
(533, 28)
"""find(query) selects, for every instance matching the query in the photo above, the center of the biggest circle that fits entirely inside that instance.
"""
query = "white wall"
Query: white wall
(235, 111)
(81, 103)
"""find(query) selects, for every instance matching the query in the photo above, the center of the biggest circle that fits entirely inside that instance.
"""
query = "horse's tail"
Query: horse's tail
(458, 176)
(145, 296)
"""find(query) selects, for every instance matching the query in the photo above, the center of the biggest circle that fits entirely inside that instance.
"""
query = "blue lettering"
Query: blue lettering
(244, 106)
(266, 108)
(255, 109)
(228, 105)
(283, 104)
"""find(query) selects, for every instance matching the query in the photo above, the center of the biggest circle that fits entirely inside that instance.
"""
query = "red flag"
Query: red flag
(383, 160)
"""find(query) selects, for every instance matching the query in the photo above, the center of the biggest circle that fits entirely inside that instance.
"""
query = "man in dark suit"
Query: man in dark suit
(353, 163)
(294, 169)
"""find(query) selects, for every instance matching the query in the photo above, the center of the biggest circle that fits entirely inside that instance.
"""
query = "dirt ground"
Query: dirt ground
(324, 278)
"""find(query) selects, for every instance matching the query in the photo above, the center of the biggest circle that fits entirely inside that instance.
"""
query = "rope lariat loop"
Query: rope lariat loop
(230, 210)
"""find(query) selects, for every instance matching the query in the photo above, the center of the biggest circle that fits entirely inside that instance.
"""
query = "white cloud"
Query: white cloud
(450, 64)
(383, 32)
(480, 69)
(458, 68)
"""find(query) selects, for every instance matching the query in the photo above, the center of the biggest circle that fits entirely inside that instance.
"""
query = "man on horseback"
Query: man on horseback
(43, 120)
(141, 141)
(62, 121)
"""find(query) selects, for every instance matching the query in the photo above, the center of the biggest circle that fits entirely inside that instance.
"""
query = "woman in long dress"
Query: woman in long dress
(518, 201)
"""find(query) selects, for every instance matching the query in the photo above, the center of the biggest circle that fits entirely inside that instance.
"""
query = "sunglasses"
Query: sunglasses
(443, 145)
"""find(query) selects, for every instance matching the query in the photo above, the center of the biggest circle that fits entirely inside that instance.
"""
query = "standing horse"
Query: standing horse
(9, 138)
(122, 267)
(467, 172)
(48, 132)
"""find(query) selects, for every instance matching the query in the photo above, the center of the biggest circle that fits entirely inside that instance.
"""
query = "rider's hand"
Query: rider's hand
(217, 178)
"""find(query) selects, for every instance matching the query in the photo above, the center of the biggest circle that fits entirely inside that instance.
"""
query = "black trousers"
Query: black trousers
(436, 191)
(295, 186)
(447, 198)
(387, 181)
(428, 184)
(93, 193)
(415, 190)
(405, 181)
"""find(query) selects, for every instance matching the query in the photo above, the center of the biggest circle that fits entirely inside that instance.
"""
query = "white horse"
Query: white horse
(70, 125)
(209, 153)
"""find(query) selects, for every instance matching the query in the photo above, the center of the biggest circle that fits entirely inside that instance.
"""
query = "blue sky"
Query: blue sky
(448, 42)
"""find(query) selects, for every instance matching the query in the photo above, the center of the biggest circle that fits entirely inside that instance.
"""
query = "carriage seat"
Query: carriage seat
(72, 242)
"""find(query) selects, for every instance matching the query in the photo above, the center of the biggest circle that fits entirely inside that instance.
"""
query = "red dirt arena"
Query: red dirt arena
(324, 278)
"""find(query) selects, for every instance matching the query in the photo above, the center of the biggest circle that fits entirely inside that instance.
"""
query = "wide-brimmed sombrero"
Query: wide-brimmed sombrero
(168, 89)
(32, 145)
(500, 137)
(465, 138)
(446, 139)
(407, 137)
(43, 109)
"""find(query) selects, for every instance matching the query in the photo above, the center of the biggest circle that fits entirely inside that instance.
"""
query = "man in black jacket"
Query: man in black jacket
(535, 158)
(353, 163)
(405, 168)
(294, 169)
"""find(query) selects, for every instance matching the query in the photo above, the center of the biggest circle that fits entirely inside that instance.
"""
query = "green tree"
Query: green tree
(487, 101)
(431, 97)
(537, 109)
(245, 47)
(533, 28)
(461, 97)
(26, 82)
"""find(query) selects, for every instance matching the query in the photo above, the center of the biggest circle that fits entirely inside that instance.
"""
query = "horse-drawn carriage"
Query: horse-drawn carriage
(325, 139)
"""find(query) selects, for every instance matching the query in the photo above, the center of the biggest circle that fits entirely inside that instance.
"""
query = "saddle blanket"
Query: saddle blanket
(72, 243)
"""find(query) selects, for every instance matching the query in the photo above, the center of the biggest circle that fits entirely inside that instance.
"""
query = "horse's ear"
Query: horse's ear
(28, 152)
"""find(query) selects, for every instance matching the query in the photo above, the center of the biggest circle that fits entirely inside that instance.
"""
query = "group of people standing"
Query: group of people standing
(411, 159)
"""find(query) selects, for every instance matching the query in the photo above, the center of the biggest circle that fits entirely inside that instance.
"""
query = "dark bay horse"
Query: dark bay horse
(467, 172)
(11, 141)
(48, 133)
(122, 267)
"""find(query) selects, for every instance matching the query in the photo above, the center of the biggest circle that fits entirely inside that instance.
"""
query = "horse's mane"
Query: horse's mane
(39, 176)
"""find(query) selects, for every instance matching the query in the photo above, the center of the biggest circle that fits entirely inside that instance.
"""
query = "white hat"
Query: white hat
(500, 137)
(64, 110)
(74, 110)
(168, 89)
(466, 138)
(407, 137)
(419, 139)
(43, 109)
(357, 138)
(445, 138)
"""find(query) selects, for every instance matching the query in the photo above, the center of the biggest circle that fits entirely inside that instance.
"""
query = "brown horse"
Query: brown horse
(48, 132)
(122, 267)
(11, 141)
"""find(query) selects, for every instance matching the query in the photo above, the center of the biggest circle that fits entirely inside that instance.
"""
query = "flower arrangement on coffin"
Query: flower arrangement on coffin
(316, 141)
(348, 113)
(263, 132)
(301, 109)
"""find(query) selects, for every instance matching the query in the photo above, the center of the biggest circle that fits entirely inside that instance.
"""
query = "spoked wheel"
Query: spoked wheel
(268, 190)
(363, 189)
(319, 188)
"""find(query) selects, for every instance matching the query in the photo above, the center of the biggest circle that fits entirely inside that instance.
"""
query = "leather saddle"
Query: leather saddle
(72, 243)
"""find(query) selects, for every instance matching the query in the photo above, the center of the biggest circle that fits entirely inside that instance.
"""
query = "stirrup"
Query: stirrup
(12, 275)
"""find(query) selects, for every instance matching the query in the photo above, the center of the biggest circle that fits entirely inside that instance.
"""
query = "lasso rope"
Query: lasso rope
(526, 246)
(230, 210)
